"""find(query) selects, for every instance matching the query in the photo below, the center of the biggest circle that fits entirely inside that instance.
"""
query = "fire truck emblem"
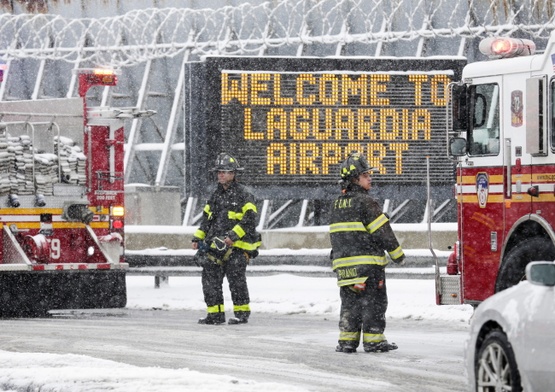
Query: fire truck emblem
(482, 189)
(516, 108)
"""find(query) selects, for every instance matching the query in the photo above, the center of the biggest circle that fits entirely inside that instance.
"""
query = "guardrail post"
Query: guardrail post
(160, 279)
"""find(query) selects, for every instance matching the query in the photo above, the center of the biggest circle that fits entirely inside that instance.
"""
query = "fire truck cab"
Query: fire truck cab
(502, 135)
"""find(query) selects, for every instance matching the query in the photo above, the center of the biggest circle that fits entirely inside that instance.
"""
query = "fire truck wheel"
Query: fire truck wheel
(495, 364)
(513, 268)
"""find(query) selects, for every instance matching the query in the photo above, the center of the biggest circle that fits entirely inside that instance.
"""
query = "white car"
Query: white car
(512, 336)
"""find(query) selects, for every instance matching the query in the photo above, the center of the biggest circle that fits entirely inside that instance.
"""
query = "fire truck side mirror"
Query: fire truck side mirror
(77, 212)
(459, 107)
(457, 147)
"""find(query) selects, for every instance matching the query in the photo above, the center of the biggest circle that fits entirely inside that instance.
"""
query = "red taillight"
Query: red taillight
(117, 224)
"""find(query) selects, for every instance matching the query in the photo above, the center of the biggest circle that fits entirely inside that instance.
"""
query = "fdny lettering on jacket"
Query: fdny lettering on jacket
(343, 203)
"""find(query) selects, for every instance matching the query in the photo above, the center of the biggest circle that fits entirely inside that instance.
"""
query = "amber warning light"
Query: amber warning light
(504, 47)
(89, 77)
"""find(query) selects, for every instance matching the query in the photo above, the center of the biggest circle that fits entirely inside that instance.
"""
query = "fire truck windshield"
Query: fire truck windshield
(483, 137)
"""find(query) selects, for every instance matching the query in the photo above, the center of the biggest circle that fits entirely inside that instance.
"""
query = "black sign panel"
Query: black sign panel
(291, 122)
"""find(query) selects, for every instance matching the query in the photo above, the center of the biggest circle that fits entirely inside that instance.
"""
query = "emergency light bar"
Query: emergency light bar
(504, 47)
(89, 77)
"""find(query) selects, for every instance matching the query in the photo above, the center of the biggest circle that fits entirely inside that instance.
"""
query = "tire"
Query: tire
(495, 365)
(513, 269)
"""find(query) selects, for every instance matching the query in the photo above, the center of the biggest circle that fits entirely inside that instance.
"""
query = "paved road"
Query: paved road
(291, 349)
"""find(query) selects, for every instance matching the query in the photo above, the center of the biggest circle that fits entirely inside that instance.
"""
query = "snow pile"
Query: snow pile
(61, 373)
(289, 294)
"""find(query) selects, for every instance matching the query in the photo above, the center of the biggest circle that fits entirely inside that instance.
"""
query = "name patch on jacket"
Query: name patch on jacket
(347, 273)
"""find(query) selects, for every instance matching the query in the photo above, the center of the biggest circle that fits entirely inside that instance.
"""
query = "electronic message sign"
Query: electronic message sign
(291, 123)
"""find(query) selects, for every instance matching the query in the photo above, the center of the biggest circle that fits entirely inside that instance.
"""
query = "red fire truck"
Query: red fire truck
(61, 203)
(502, 134)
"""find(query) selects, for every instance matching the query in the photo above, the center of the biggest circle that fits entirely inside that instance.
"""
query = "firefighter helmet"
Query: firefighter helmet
(225, 162)
(355, 165)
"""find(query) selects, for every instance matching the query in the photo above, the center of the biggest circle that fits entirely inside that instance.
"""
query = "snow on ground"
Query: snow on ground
(283, 294)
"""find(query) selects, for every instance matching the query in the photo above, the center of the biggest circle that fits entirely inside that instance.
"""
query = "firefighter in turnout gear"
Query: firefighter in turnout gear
(360, 235)
(226, 239)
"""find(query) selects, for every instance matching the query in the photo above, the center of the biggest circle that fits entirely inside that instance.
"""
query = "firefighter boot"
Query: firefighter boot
(213, 318)
(380, 347)
(238, 320)
(346, 348)
(241, 317)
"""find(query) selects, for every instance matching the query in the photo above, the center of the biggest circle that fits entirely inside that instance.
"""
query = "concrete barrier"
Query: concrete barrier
(163, 263)
(411, 236)
(164, 251)
(162, 274)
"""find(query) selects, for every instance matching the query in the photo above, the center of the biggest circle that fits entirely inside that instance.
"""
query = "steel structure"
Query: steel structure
(149, 46)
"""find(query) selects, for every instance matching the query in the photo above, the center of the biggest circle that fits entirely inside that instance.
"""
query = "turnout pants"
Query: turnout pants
(213, 275)
(364, 311)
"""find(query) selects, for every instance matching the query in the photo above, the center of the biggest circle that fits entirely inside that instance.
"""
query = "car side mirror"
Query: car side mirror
(541, 273)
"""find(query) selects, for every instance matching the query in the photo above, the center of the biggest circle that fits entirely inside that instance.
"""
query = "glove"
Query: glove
(400, 261)
(200, 256)
(199, 259)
